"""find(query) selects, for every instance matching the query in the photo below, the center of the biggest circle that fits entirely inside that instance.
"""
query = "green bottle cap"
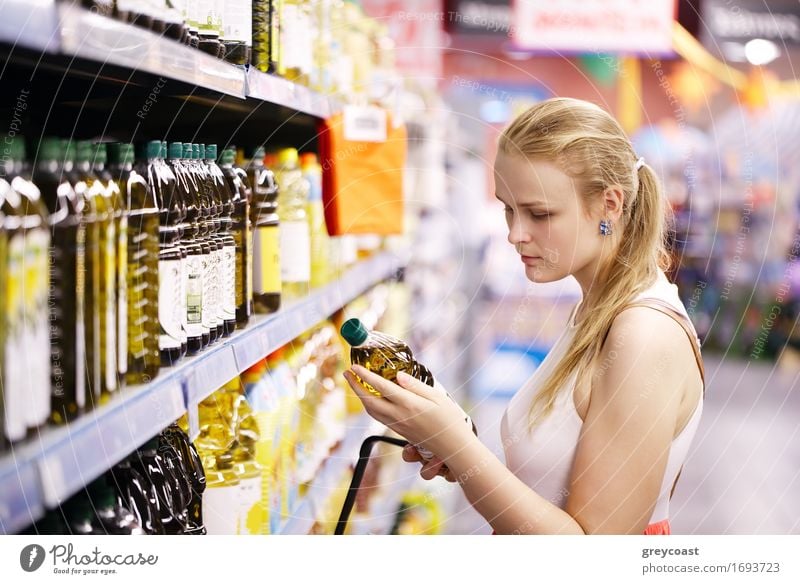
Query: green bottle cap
(49, 150)
(196, 151)
(128, 154)
(354, 332)
(115, 152)
(175, 150)
(99, 153)
(187, 151)
(211, 151)
(69, 149)
(164, 150)
(153, 149)
(228, 156)
(84, 151)
(202, 151)
(259, 153)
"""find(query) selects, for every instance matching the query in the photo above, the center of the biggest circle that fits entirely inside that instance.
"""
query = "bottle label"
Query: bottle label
(169, 304)
(250, 504)
(229, 288)
(14, 383)
(110, 310)
(295, 251)
(194, 295)
(221, 509)
(267, 260)
(36, 326)
(122, 296)
(219, 292)
(249, 264)
(208, 300)
(80, 311)
(184, 275)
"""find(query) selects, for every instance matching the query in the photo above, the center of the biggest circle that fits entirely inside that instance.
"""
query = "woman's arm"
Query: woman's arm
(621, 455)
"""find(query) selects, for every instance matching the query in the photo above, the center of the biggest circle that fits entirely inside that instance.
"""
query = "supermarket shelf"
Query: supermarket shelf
(68, 29)
(52, 467)
(98, 38)
(330, 474)
(282, 92)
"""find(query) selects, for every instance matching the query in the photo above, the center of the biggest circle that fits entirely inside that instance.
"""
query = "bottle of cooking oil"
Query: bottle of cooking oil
(180, 224)
(208, 17)
(382, 354)
(221, 499)
(242, 236)
(260, 28)
(197, 334)
(114, 193)
(12, 332)
(215, 238)
(205, 223)
(143, 265)
(162, 186)
(193, 470)
(266, 235)
(275, 26)
(296, 41)
(97, 192)
(320, 242)
(77, 169)
(227, 288)
(29, 244)
(295, 242)
(67, 283)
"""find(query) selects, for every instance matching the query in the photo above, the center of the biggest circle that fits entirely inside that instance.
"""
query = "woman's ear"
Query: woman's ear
(613, 202)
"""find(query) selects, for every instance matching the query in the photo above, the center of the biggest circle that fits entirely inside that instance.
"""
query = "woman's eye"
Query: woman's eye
(540, 215)
(508, 210)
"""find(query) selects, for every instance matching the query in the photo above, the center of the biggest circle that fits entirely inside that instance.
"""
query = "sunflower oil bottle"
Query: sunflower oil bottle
(143, 267)
(295, 242)
(28, 290)
(162, 187)
(319, 240)
(228, 256)
(67, 282)
(209, 248)
(242, 234)
(238, 31)
(296, 40)
(321, 79)
(99, 201)
(266, 236)
(120, 217)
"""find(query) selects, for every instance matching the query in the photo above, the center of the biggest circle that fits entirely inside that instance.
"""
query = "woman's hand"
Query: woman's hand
(422, 415)
(430, 468)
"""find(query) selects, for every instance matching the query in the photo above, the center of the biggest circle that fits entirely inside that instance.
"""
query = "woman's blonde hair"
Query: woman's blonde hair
(591, 147)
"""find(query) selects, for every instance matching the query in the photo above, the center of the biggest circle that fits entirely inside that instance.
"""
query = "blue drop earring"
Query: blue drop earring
(605, 227)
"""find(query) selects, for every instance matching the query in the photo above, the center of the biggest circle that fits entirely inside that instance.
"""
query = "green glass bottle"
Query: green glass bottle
(143, 358)
(242, 236)
(180, 206)
(30, 244)
(77, 168)
(67, 282)
(266, 236)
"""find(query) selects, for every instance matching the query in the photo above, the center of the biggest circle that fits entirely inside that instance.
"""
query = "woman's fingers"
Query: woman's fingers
(389, 390)
(375, 406)
(411, 454)
(430, 470)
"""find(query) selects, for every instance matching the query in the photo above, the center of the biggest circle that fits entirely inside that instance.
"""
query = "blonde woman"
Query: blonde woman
(595, 439)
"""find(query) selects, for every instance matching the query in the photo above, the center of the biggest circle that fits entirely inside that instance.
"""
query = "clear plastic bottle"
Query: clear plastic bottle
(320, 242)
(295, 243)
(266, 236)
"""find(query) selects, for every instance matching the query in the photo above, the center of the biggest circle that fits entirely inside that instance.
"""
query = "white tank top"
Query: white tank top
(542, 458)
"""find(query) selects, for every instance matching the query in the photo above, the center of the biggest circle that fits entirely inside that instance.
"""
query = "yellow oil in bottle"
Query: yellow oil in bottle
(98, 197)
(266, 236)
(319, 239)
(295, 244)
(67, 283)
(141, 253)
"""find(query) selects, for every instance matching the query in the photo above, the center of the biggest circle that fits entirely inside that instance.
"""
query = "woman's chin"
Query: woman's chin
(541, 274)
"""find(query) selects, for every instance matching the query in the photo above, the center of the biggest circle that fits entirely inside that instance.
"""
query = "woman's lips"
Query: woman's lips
(530, 259)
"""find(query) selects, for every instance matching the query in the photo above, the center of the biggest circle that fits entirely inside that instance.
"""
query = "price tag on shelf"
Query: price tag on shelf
(365, 123)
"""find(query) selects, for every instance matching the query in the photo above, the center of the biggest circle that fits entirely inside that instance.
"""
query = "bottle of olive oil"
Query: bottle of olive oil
(114, 193)
(260, 27)
(67, 283)
(77, 169)
(228, 257)
(96, 195)
(168, 284)
(30, 244)
(266, 236)
(208, 210)
(11, 333)
(180, 225)
(216, 236)
(143, 357)
(242, 235)
(197, 335)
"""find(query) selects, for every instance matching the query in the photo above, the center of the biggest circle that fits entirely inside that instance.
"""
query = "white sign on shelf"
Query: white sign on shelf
(594, 26)
(364, 123)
